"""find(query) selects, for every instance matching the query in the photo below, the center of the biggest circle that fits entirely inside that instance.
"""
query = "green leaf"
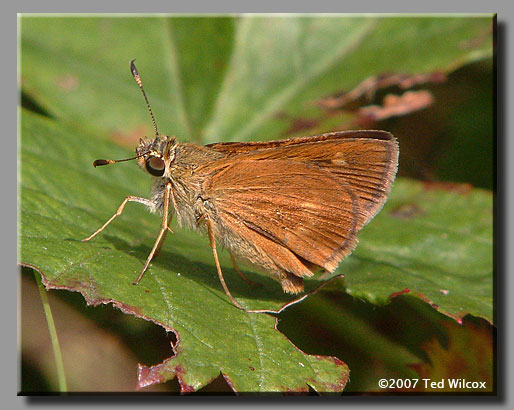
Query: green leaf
(63, 199)
(432, 243)
(227, 79)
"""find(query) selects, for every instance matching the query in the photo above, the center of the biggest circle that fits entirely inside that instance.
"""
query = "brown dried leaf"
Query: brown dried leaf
(394, 106)
(463, 364)
(367, 89)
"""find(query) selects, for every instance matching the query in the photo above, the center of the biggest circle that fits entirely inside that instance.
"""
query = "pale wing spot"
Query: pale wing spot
(339, 158)
(339, 162)
(311, 205)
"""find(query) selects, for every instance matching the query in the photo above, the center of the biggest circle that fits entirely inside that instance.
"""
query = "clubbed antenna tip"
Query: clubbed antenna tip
(137, 77)
(100, 162)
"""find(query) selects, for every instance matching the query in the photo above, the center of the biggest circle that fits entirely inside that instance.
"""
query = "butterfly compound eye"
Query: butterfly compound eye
(155, 166)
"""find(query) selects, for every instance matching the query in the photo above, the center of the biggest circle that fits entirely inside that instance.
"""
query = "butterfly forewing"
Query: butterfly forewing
(365, 161)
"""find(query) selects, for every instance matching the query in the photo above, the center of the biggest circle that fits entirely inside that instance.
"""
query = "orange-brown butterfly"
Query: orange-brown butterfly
(289, 207)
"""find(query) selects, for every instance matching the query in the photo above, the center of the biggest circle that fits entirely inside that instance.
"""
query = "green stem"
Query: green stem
(61, 377)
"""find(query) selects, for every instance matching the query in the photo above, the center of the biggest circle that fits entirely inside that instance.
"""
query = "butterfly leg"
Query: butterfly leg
(143, 201)
(162, 233)
(241, 274)
(212, 241)
(163, 237)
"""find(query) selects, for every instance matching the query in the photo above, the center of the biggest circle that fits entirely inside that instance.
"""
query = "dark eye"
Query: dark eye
(155, 166)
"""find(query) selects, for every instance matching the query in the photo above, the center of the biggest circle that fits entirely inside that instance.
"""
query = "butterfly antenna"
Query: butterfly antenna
(100, 162)
(137, 77)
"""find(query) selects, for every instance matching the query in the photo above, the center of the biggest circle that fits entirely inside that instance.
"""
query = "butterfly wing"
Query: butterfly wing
(283, 205)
